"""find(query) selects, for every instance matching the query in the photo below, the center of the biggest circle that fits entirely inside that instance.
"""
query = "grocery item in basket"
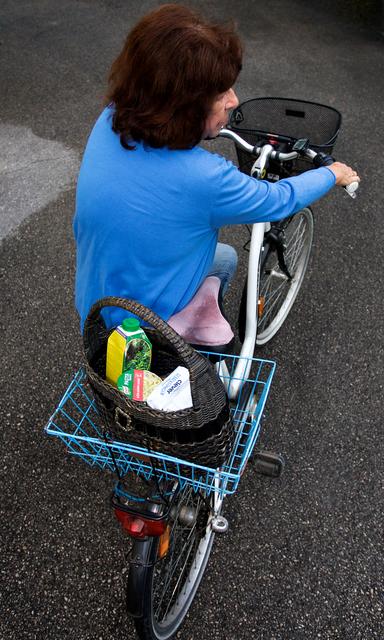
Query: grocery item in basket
(174, 393)
(137, 384)
(128, 348)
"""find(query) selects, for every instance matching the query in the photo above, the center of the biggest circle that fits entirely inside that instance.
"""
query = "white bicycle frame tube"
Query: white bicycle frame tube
(244, 362)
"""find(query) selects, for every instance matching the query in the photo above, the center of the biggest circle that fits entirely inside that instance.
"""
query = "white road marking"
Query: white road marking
(33, 173)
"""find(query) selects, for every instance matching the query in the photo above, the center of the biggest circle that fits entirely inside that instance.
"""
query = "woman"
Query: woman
(150, 201)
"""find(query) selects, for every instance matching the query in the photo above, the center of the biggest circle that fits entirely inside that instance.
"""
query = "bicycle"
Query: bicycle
(171, 507)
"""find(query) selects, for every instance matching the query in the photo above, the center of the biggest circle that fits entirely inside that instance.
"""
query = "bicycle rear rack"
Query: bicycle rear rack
(77, 423)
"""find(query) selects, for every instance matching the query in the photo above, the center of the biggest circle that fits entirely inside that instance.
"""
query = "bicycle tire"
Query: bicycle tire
(277, 292)
(178, 574)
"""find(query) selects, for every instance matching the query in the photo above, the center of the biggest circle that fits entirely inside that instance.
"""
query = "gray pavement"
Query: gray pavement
(303, 558)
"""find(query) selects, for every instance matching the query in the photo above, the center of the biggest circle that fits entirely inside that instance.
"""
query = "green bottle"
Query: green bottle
(138, 349)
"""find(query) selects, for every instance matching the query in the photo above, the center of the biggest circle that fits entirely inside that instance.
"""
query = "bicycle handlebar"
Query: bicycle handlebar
(256, 151)
(262, 154)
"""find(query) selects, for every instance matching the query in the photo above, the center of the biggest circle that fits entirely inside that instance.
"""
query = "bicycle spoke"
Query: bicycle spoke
(271, 307)
(181, 558)
(169, 560)
(296, 245)
(170, 575)
(182, 573)
(269, 313)
(278, 293)
(273, 297)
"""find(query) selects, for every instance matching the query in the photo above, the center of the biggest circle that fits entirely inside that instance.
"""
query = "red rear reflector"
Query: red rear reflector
(138, 526)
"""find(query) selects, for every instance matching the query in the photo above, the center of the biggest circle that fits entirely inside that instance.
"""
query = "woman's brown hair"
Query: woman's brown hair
(171, 68)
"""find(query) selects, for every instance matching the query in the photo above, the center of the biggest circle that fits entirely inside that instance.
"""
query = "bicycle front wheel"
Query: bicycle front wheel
(165, 586)
(277, 292)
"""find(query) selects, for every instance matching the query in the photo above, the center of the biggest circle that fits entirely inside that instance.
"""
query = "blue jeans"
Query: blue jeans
(224, 265)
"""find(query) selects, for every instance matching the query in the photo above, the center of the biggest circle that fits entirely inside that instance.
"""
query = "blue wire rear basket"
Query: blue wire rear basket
(77, 423)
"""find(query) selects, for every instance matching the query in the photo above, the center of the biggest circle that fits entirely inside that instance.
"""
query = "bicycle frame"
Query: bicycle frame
(257, 235)
(244, 363)
(262, 155)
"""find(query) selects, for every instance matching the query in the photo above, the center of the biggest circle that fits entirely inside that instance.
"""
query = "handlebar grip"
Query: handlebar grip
(352, 188)
(324, 160)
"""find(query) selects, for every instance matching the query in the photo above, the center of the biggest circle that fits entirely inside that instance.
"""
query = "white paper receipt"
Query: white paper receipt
(174, 393)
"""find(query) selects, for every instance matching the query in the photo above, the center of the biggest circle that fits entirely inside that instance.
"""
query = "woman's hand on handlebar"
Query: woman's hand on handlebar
(344, 175)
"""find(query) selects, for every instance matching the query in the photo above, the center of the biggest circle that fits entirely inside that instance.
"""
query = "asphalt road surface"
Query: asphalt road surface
(303, 558)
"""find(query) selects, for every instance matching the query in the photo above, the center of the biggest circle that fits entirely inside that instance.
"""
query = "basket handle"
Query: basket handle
(195, 363)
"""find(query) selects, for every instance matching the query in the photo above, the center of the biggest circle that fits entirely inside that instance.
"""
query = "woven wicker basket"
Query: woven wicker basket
(203, 433)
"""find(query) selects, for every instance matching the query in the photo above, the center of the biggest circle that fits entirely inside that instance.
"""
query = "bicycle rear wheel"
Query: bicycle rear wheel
(277, 292)
(165, 586)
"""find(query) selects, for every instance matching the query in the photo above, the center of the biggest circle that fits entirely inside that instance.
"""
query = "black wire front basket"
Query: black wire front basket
(283, 121)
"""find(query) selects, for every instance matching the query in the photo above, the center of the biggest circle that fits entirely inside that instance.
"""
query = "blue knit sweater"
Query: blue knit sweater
(147, 221)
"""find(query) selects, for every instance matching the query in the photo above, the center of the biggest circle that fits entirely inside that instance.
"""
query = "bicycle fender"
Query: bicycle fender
(140, 570)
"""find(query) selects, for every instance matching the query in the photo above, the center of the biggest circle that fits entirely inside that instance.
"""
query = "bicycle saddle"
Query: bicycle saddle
(201, 322)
